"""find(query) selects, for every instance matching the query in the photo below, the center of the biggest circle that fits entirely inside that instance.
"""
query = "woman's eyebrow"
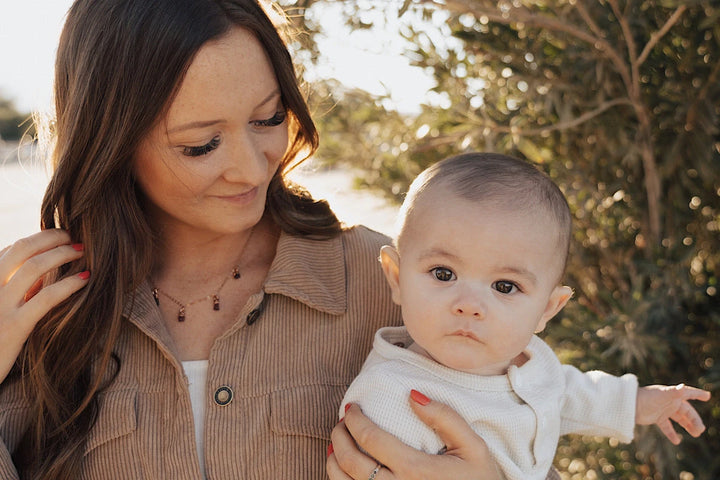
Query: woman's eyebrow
(196, 124)
(208, 123)
(267, 99)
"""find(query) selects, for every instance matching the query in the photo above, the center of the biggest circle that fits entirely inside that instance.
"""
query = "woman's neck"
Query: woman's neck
(182, 256)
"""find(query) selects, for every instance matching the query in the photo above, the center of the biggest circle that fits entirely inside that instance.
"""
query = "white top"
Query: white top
(520, 414)
(196, 372)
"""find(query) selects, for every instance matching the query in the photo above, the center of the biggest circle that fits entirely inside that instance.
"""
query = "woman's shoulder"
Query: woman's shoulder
(364, 238)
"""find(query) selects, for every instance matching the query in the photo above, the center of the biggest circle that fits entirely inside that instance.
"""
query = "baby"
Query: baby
(481, 250)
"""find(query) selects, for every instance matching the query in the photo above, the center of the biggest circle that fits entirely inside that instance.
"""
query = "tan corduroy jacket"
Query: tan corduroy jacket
(274, 383)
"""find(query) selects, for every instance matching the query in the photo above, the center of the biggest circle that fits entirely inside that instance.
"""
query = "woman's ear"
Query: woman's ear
(390, 260)
(558, 298)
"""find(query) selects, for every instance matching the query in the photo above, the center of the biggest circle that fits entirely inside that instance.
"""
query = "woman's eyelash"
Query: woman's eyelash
(202, 149)
(274, 121)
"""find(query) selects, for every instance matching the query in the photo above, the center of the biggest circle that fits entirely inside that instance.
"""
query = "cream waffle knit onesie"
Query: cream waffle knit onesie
(520, 414)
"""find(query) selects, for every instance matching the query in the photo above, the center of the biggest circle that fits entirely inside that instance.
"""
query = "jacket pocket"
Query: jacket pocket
(301, 419)
(117, 418)
(308, 410)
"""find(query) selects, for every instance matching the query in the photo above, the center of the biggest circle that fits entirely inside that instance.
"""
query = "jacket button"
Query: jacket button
(223, 395)
(252, 316)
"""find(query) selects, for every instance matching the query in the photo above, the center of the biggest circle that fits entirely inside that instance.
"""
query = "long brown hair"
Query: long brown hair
(119, 65)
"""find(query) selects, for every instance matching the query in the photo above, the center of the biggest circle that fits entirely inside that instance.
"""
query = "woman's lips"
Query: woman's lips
(240, 198)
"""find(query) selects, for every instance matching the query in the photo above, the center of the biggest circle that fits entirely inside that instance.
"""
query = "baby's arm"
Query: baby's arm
(658, 404)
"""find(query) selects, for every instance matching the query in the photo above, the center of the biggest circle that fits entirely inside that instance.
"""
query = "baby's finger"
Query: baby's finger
(692, 393)
(688, 418)
(667, 429)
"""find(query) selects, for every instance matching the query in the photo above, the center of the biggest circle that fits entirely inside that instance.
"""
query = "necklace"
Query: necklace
(156, 291)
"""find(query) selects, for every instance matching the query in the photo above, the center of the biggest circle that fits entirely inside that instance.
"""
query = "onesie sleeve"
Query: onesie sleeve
(596, 403)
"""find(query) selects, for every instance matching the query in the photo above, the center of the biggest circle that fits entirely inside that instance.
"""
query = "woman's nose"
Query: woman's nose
(246, 161)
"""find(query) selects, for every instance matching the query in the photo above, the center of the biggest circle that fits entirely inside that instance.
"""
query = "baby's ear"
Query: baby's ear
(558, 298)
(390, 260)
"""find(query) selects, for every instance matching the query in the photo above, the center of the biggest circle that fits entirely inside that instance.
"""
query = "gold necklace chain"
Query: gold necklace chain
(183, 306)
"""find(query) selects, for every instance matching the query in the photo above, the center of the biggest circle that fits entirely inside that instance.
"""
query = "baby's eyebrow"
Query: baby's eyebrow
(437, 252)
(521, 271)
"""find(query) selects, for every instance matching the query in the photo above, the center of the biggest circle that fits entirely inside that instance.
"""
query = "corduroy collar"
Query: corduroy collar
(309, 271)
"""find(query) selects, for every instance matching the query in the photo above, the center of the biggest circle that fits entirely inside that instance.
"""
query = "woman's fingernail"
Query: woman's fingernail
(79, 247)
(330, 450)
(84, 275)
(419, 397)
(347, 407)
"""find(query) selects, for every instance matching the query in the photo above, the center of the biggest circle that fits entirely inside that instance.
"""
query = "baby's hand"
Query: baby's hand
(659, 404)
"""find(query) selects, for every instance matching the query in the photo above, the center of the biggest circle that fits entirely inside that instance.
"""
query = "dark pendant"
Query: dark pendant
(236, 273)
(216, 302)
(181, 314)
(156, 296)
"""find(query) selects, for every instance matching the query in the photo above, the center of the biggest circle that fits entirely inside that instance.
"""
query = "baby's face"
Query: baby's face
(476, 281)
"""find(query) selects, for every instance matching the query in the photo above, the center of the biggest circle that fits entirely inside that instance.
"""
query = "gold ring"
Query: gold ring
(375, 471)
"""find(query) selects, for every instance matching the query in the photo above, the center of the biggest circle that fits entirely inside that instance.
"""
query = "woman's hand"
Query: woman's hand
(23, 298)
(467, 455)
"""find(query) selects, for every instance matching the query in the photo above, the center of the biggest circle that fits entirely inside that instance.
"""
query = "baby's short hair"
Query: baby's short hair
(494, 178)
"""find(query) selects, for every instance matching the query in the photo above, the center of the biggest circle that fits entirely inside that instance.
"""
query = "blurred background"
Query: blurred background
(617, 100)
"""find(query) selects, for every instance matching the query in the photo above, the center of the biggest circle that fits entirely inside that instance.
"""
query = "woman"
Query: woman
(186, 312)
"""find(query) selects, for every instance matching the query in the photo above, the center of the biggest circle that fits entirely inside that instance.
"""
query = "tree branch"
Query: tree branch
(523, 15)
(712, 80)
(616, 59)
(557, 126)
(656, 36)
(631, 47)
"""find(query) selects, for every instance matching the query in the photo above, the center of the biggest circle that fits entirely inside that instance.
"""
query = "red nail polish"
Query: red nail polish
(347, 407)
(419, 397)
(79, 247)
(84, 275)
(330, 450)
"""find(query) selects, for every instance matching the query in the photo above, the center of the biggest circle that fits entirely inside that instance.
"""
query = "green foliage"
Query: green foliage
(13, 124)
(618, 101)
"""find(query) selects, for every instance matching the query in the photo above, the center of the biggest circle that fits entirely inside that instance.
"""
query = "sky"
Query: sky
(29, 31)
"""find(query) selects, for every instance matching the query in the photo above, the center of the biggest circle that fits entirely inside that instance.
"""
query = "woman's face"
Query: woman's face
(205, 167)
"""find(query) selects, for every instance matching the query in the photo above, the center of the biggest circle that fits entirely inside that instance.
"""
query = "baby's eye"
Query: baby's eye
(443, 274)
(504, 286)
(273, 121)
(202, 149)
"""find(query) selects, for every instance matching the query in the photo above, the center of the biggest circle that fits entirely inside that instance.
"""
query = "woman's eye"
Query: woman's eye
(443, 274)
(273, 121)
(503, 286)
(202, 149)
